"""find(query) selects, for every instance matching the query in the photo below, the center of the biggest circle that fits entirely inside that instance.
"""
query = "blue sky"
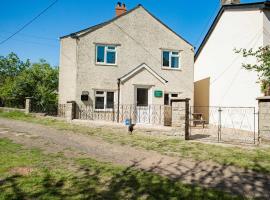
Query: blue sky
(190, 18)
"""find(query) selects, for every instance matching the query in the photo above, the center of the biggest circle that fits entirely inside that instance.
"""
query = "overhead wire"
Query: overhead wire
(28, 23)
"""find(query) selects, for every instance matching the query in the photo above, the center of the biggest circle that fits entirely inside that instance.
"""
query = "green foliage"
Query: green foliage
(262, 66)
(11, 66)
(21, 80)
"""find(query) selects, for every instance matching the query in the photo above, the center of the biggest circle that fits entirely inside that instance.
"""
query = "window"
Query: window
(106, 54)
(170, 59)
(104, 100)
(142, 96)
(173, 95)
(170, 96)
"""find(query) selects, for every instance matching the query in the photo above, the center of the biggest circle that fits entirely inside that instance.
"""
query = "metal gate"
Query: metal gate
(224, 124)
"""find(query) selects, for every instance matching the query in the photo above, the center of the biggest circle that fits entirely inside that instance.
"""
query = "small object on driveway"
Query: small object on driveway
(130, 125)
(131, 128)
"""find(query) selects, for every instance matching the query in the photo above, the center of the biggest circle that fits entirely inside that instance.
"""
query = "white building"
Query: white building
(131, 65)
(220, 79)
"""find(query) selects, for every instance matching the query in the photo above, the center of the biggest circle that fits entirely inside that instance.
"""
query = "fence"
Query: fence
(221, 124)
(151, 114)
(51, 109)
(224, 124)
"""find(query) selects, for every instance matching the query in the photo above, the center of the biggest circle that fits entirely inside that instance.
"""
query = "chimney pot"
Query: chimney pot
(230, 2)
(120, 9)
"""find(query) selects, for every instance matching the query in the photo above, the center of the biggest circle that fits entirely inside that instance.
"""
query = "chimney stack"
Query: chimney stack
(229, 2)
(120, 9)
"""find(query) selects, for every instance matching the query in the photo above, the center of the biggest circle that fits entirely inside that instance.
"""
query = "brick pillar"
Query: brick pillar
(264, 118)
(70, 110)
(28, 102)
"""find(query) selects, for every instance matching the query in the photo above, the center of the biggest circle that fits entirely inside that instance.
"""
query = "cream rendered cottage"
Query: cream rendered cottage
(132, 59)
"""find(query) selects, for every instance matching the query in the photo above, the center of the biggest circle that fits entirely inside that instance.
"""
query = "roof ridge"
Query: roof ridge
(102, 23)
(260, 5)
(97, 26)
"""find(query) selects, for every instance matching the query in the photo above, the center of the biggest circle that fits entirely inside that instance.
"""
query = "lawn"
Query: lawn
(31, 174)
(257, 159)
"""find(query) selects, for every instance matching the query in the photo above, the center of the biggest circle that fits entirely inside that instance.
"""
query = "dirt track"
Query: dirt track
(206, 174)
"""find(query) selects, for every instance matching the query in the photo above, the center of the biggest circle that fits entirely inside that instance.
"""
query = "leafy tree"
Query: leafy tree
(40, 81)
(11, 66)
(23, 79)
(262, 66)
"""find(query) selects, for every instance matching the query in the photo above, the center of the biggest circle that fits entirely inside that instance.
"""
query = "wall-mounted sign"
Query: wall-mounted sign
(158, 93)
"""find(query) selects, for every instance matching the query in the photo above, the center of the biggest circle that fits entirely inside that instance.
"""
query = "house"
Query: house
(220, 79)
(132, 62)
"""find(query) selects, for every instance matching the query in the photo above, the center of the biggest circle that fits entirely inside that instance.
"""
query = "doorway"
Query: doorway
(143, 114)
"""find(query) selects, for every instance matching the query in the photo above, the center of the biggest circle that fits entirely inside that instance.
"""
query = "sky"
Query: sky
(189, 18)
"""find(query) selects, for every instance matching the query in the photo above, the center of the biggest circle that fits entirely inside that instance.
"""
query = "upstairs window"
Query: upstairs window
(170, 59)
(104, 100)
(106, 54)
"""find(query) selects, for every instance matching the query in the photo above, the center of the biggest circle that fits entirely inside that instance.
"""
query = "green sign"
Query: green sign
(158, 93)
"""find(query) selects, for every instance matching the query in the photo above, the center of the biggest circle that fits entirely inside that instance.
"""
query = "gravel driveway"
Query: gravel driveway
(206, 174)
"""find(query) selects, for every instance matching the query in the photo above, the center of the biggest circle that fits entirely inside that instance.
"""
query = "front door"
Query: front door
(143, 106)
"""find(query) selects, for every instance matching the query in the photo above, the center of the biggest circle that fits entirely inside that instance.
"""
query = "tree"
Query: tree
(10, 67)
(262, 66)
(22, 79)
(40, 81)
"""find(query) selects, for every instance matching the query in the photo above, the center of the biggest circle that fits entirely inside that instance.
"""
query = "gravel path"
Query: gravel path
(206, 174)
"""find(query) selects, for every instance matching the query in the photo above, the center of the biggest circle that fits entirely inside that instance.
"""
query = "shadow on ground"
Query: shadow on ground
(92, 181)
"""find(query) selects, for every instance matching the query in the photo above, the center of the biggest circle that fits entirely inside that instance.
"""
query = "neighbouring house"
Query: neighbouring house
(130, 66)
(220, 79)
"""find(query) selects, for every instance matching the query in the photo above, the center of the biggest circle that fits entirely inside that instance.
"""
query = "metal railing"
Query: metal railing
(224, 124)
(151, 114)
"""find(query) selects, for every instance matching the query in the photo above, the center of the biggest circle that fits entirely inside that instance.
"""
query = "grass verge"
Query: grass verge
(257, 159)
(88, 180)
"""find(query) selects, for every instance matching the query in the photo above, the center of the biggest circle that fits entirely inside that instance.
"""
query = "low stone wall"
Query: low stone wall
(6, 109)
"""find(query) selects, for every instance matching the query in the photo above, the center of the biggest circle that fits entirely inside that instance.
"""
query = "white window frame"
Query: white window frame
(170, 95)
(170, 59)
(106, 49)
(104, 95)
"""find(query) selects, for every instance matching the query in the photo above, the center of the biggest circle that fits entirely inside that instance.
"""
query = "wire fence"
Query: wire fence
(224, 124)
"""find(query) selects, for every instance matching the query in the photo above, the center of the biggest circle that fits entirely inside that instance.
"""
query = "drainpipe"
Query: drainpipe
(118, 99)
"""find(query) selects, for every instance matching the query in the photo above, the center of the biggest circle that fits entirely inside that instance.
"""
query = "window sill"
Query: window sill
(173, 69)
(104, 110)
(104, 64)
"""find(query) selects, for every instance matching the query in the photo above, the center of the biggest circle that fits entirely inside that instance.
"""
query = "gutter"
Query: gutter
(118, 99)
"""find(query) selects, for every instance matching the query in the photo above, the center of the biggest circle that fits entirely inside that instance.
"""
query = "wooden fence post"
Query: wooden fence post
(187, 133)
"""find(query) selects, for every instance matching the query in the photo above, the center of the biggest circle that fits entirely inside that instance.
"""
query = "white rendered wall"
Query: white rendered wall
(230, 84)
(266, 28)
